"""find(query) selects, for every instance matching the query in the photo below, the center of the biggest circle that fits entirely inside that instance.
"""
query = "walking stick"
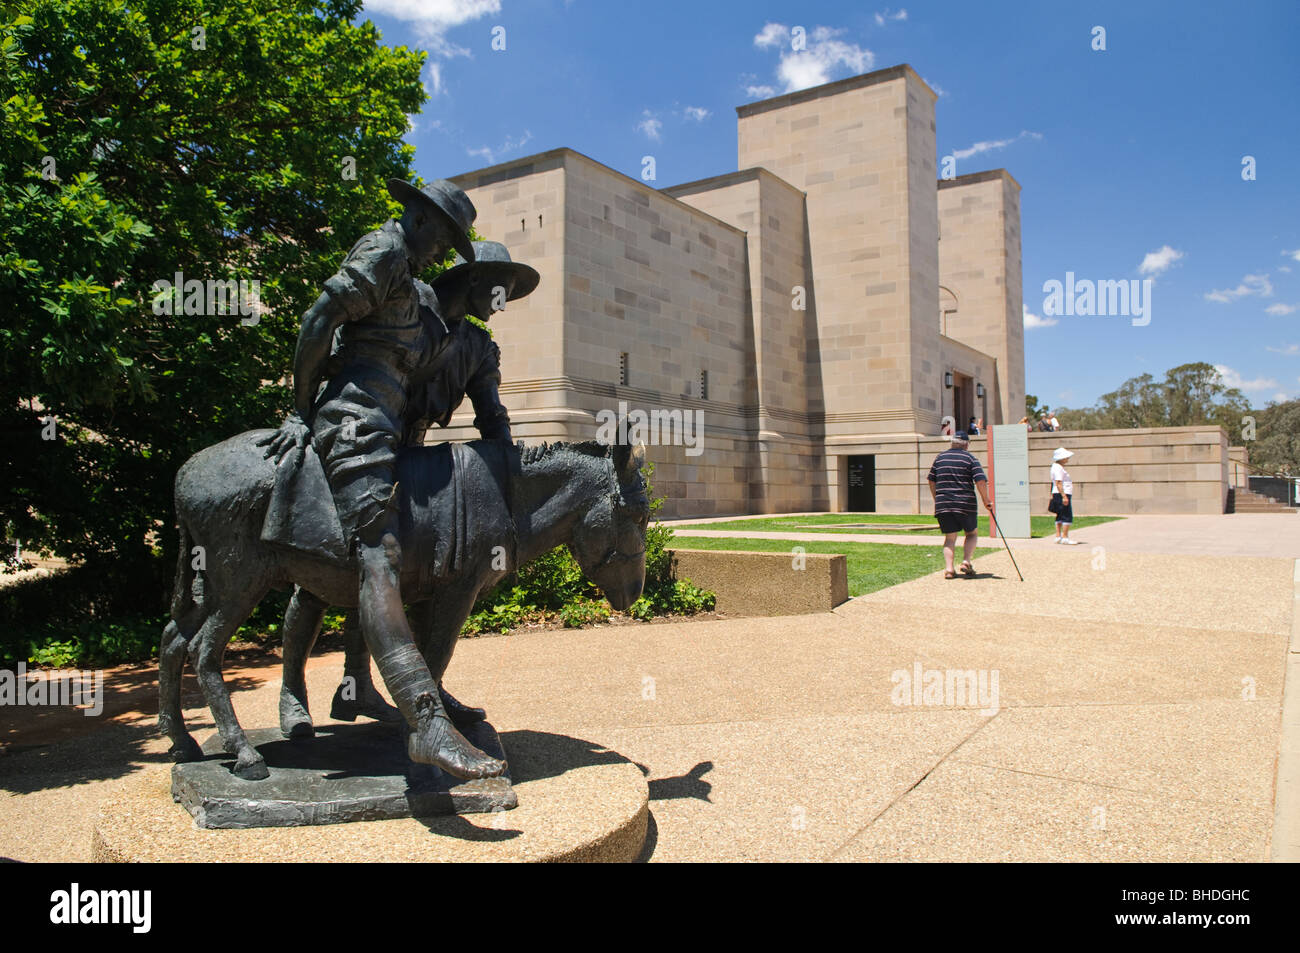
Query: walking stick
(1003, 537)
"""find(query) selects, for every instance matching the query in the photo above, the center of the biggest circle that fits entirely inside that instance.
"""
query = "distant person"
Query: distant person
(1024, 421)
(1062, 494)
(973, 428)
(954, 478)
(1056, 424)
(1044, 424)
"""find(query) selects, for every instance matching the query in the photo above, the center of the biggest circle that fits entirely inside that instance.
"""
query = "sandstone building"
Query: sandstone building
(823, 308)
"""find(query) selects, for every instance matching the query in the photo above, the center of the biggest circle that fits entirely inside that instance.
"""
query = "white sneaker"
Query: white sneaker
(1069, 542)
(1058, 541)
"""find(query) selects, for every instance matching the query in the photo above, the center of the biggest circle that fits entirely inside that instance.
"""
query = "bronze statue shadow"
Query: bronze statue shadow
(536, 754)
(532, 756)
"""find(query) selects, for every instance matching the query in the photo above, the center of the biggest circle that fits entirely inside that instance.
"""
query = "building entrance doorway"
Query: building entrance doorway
(861, 496)
(963, 400)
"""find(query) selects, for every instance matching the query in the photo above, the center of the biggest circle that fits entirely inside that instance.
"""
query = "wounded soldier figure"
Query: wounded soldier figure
(356, 424)
(460, 360)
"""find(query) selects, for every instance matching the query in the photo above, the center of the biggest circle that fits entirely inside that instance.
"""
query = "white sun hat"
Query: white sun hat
(1060, 453)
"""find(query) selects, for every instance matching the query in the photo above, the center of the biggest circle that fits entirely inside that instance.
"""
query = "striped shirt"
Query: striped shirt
(954, 474)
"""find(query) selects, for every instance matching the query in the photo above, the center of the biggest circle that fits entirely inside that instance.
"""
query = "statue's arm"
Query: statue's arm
(490, 416)
(359, 288)
(315, 337)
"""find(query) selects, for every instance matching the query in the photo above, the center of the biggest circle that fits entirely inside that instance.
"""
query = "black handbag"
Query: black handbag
(1056, 505)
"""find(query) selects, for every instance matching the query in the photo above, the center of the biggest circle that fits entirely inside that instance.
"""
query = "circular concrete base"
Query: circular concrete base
(578, 802)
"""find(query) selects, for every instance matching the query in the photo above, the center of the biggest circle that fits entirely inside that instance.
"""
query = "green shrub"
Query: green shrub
(584, 612)
(554, 584)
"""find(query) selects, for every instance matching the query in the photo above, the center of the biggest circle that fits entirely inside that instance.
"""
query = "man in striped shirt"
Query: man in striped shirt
(954, 478)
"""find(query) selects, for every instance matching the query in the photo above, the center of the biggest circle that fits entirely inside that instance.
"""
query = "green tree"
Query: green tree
(223, 139)
(1276, 446)
(1190, 395)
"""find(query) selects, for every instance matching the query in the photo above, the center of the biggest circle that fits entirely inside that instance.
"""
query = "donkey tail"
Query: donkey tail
(183, 585)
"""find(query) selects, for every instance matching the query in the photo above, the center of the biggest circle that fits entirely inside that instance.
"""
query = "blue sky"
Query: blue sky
(1130, 159)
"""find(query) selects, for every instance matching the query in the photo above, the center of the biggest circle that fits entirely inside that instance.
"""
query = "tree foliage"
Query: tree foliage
(1275, 449)
(209, 137)
(1190, 395)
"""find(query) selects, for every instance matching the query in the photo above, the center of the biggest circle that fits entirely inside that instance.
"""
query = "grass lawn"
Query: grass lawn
(871, 566)
(880, 523)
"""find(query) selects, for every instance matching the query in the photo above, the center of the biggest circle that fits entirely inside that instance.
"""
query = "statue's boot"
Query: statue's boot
(433, 739)
(462, 715)
(357, 695)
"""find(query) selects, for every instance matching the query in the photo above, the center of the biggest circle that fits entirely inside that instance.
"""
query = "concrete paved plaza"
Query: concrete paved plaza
(1138, 716)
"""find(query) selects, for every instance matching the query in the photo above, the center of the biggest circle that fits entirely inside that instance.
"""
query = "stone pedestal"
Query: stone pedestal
(345, 773)
(577, 801)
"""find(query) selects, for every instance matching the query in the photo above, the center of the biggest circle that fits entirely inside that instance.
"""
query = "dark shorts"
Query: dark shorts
(1066, 513)
(957, 522)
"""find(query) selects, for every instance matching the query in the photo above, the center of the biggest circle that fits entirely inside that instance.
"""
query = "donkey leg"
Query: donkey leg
(207, 652)
(302, 622)
(171, 661)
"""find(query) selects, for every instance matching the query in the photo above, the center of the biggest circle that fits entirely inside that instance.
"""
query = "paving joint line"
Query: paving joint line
(919, 781)
(1233, 802)
(1284, 845)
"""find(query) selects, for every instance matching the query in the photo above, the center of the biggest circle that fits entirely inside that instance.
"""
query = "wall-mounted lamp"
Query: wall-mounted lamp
(979, 390)
(947, 378)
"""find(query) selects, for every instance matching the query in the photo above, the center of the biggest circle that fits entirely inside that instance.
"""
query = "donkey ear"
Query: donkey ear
(628, 459)
(621, 454)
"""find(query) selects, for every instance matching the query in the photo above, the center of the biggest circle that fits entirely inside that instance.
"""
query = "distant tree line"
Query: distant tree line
(1194, 395)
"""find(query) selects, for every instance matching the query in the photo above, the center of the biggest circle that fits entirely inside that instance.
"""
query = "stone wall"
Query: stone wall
(756, 583)
(787, 366)
(860, 149)
(979, 262)
(1115, 472)
(626, 270)
(793, 304)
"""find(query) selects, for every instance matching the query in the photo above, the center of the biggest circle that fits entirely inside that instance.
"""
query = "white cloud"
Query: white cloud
(801, 69)
(432, 77)
(1158, 261)
(1250, 285)
(697, 113)
(1291, 350)
(772, 34)
(1293, 254)
(1232, 379)
(650, 125)
(760, 92)
(883, 18)
(1280, 397)
(433, 18)
(1286, 268)
(1280, 309)
(1035, 321)
(512, 143)
(993, 144)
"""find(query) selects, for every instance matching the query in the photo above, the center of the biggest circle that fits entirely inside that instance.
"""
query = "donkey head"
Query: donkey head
(609, 540)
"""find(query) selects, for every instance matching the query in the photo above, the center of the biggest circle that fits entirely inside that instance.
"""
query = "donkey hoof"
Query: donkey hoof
(251, 767)
(187, 750)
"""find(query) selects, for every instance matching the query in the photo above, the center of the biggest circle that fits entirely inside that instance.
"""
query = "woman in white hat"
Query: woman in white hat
(1062, 493)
